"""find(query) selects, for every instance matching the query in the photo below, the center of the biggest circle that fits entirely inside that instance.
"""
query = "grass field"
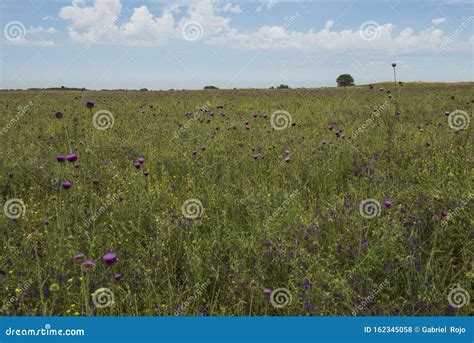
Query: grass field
(349, 201)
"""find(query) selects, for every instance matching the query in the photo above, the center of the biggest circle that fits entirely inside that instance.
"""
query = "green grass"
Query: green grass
(265, 224)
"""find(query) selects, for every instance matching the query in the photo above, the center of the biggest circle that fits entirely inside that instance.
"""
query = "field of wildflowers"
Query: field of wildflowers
(348, 201)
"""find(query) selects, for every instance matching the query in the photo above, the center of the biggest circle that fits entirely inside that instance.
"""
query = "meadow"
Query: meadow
(330, 201)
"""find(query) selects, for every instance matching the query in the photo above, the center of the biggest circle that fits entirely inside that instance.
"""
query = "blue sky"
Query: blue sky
(189, 44)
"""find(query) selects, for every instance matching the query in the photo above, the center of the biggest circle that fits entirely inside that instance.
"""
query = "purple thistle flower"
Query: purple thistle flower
(330, 126)
(88, 263)
(60, 158)
(59, 115)
(67, 185)
(267, 292)
(387, 203)
(203, 148)
(141, 160)
(444, 213)
(394, 65)
(255, 156)
(109, 258)
(447, 113)
(80, 256)
(90, 104)
(95, 181)
(146, 172)
(71, 157)
(194, 152)
(287, 159)
(117, 276)
(136, 165)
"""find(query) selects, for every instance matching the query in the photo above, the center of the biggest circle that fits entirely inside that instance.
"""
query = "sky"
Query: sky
(158, 44)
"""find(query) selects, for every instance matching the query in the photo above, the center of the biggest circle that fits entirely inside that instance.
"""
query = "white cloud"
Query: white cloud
(41, 29)
(438, 21)
(267, 3)
(231, 8)
(98, 23)
(102, 12)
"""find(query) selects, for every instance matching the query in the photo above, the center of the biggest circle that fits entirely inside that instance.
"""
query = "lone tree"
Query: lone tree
(210, 87)
(345, 80)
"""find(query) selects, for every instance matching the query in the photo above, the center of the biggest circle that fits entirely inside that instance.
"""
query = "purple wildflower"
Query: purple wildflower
(88, 263)
(109, 258)
(71, 157)
(80, 256)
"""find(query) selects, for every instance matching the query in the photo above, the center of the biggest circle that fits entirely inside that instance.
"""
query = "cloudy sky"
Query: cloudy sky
(189, 44)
